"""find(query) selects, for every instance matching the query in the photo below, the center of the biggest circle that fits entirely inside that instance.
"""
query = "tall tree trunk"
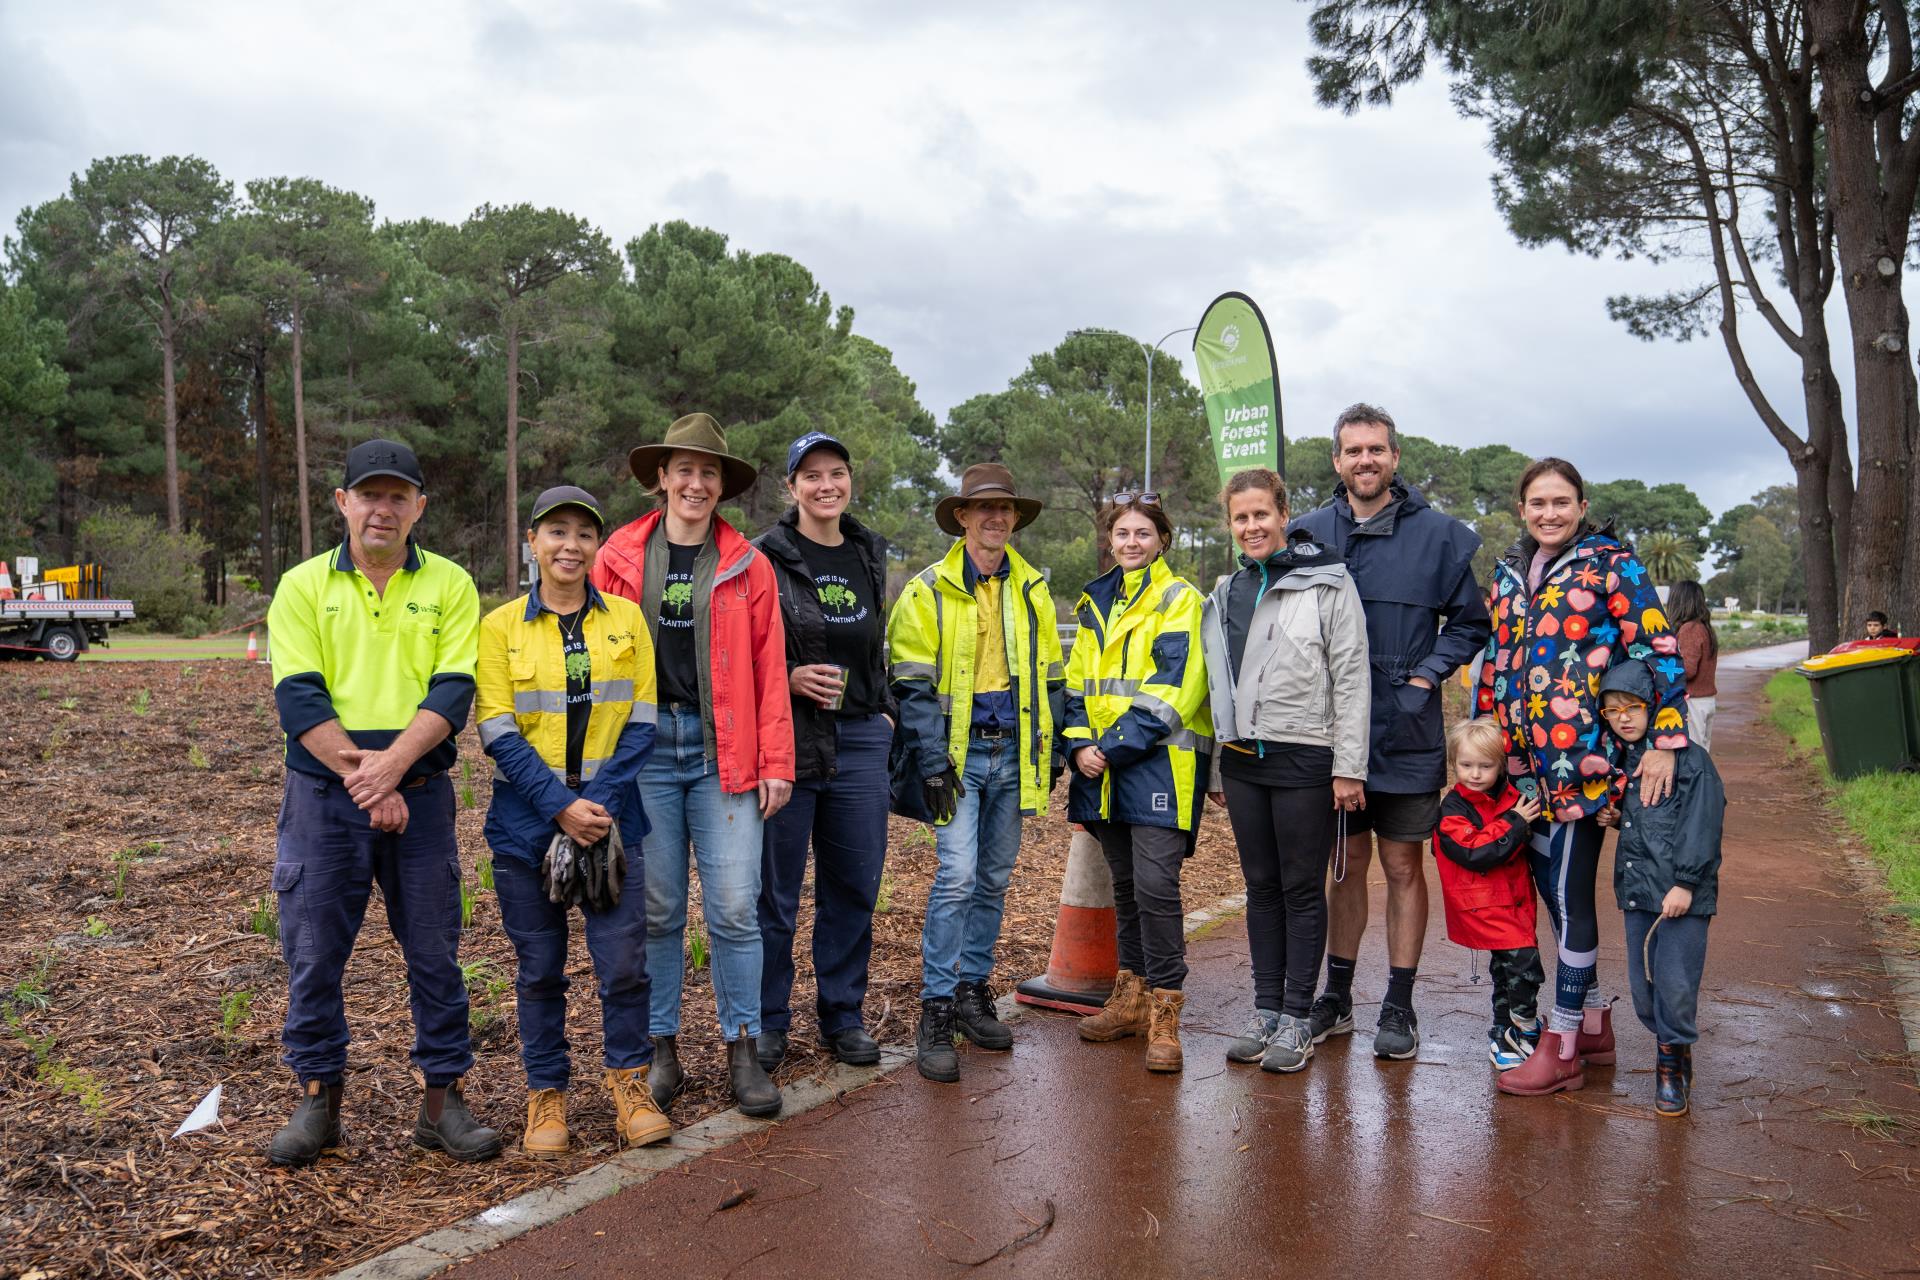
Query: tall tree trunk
(171, 430)
(263, 464)
(1822, 533)
(300, 437)
(513, 460)
(1870, 240)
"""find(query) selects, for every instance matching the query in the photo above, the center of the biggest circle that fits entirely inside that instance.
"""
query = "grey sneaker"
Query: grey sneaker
(1331, 1016)
(1291, 1046)
(1398, 1036)
(1252, 1040)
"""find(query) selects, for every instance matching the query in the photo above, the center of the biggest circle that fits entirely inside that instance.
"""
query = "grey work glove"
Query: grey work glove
(560, 871)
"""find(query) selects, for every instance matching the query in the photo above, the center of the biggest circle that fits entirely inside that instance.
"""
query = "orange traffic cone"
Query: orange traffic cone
(1085, 957)
(6, 582)
(253, 648)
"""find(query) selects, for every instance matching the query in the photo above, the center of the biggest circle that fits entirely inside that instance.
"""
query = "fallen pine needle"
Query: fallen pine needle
(1153, 1223)
(1481, 1226)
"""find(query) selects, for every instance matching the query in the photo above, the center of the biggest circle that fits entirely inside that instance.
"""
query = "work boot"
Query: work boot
(973, 1014)
(1672, 1087)
(1554, 1066)
(1251, 1044)
(546, 1133)
(638, 1117)
(1124, 1014)
(1331, 1015)
(753, 1093)
(933, 1041)
(1596, 1036)
(770, 1049)
(1163, 1030)
(313, 1130)
(666, 1080)
(456, 1132)
(853, 1046)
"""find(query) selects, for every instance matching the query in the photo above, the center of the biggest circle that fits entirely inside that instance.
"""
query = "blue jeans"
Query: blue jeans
(538, 930)
(845, 819)
(976, 852)
(693, 820)
(328, 860)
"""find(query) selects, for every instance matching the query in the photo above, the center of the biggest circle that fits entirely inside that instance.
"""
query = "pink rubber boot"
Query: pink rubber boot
(1595, 1042)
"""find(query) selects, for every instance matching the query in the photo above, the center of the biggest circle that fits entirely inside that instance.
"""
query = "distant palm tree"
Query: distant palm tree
(1668, 556)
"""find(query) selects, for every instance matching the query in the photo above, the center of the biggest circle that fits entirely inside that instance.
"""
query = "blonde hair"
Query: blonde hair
(1482, 737)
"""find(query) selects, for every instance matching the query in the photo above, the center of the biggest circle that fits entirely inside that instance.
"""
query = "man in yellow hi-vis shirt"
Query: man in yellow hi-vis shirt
(979, 679)
(374, 645)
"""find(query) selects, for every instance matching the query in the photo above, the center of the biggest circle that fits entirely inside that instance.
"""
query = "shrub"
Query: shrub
(157, 570)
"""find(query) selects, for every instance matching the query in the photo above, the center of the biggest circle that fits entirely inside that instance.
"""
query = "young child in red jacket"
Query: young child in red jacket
(1481, 846)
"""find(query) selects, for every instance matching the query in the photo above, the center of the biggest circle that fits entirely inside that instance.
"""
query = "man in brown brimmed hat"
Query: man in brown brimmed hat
(980, 681)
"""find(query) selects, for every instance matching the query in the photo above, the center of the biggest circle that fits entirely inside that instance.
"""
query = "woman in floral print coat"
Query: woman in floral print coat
(1568, 602)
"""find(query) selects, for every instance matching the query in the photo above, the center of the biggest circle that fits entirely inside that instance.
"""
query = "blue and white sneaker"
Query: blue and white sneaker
(1511, 1044)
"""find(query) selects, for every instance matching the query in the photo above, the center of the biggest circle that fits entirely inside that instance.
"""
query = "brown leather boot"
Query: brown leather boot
(640, 1119)
(1124, 1014)
(546, 1133)
(1163, 1029)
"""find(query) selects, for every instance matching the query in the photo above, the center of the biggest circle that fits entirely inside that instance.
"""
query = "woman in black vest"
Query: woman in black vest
(833, 586)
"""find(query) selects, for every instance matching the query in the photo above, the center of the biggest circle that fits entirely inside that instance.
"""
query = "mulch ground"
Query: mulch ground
(138, 970)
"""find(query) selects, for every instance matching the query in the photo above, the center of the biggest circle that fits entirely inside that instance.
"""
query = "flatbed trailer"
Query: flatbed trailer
(57, 630)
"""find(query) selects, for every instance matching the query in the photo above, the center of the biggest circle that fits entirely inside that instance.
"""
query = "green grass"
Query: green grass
(1881, 809)
(157, 648)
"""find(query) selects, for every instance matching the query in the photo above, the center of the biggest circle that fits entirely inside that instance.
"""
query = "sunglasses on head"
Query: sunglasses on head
(1145, 498)
(1619, 709)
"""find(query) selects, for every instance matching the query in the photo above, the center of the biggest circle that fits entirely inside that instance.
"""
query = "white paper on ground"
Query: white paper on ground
(203, 1115)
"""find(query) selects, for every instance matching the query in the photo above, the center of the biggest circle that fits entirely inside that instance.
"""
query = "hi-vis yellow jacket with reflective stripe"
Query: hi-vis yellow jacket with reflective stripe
(521, 709)
(1137, 689)
(931, 636)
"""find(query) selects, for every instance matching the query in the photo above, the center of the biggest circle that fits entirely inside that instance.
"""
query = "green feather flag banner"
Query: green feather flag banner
(1241, 385)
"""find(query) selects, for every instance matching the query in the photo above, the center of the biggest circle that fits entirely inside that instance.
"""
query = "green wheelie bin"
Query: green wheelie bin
(1863, 701)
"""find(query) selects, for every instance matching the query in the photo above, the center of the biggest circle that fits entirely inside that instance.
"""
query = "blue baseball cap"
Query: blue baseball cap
(806, 444)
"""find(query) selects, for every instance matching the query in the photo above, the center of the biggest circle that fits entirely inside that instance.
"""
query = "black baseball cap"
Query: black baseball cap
(806, 444)
(566, 495)
(372, 458)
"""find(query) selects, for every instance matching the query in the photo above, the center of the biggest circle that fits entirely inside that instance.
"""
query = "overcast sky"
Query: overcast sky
(973, 181)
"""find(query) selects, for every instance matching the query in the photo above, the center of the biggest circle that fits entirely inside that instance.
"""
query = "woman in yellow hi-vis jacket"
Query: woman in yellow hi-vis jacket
(1140, 739)
(565, 706)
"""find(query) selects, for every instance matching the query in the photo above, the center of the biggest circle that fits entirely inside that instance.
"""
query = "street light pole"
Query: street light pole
(1149, 351)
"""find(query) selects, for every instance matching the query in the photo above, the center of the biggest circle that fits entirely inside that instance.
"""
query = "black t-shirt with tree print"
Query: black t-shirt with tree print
(573, 649)
(676, 657)
(853, 621)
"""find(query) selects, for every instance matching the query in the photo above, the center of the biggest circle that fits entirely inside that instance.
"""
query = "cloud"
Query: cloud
(973, 182)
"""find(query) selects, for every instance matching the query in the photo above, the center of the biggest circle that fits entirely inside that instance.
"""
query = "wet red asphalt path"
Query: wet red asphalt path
(1353, 1167)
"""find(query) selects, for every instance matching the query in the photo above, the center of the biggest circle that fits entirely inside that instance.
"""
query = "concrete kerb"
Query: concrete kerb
(1896, 948)
(438, 1250)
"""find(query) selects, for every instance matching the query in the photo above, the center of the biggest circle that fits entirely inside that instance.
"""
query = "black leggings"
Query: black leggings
(1285, 835)
(1566, 860)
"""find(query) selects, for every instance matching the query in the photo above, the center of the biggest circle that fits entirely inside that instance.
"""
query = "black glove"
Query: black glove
(942, 792)
(606, 870)
(1059, 767)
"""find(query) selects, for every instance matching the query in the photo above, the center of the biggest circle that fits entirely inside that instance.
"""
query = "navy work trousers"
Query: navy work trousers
(328, 860)
(845, 819)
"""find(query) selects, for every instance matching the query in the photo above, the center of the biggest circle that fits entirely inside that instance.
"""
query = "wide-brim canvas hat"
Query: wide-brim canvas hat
(696, 433)
(984, 481)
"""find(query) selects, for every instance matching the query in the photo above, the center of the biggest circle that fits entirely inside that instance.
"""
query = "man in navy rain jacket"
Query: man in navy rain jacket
(1426, 617)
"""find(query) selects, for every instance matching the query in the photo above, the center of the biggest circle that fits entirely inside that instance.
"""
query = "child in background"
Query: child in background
(1484, 881)
(1666, 872)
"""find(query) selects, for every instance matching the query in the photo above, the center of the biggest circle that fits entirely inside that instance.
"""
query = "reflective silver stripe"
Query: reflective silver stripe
(1056, 671)
(946, 703)
(1116, 688)
(1160, 710)
(1171, 594)
(527, 702)
(644, 713)
(1188, 739)
(495, 728)
(915, 671)
(613, 691)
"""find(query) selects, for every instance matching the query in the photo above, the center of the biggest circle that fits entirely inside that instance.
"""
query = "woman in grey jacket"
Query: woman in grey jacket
(1286, 647)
